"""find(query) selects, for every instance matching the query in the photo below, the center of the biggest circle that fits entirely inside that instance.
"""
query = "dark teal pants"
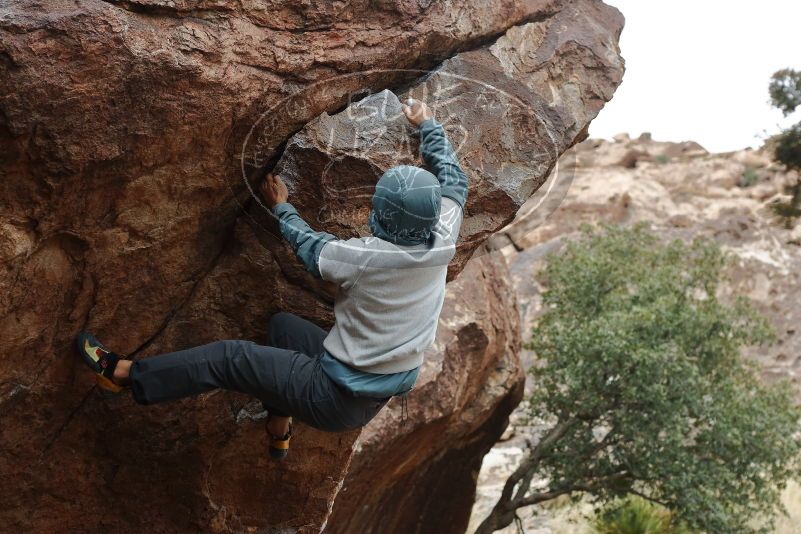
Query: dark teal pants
(286, 376)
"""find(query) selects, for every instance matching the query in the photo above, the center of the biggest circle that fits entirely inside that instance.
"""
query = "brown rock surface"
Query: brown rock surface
(510, 110)
(124, 211)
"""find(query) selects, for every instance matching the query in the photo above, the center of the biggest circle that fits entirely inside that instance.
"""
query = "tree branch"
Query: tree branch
(540, 497)
(647, 498)
(530, 463)
(536, 498)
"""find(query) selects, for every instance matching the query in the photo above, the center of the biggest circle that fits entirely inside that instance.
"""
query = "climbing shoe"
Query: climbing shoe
(101, 360)
(279, 445)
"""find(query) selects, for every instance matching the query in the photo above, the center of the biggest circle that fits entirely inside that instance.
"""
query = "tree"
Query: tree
(643, 390)
(785, 90)
(785, 94)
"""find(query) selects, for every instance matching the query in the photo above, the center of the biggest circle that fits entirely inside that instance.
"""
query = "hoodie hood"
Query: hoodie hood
(406, 205)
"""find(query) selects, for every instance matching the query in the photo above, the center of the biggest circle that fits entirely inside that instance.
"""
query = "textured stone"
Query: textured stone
(130, 133)
(510, 110)
(122, 123)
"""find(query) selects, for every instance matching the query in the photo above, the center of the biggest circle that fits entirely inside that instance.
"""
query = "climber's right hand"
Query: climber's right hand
(416, 111)
(274, 190)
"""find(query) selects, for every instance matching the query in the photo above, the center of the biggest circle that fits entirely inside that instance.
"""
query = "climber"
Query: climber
(391, 290)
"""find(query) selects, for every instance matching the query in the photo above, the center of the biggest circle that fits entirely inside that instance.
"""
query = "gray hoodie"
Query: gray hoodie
(392, 284)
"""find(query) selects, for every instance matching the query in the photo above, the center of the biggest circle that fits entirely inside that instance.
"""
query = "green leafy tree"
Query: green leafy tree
(785, 94)
(643, 390)
(785, 90)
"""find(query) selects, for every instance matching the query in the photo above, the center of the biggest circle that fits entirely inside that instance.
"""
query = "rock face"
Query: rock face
(131, 134)
(682, 192)
(510, 110)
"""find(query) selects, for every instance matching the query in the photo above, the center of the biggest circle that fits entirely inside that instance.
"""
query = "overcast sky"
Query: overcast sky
(699, 70)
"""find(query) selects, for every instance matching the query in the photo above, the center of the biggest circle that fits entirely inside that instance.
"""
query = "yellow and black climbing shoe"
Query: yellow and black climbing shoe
(101, 360)
(279, 445)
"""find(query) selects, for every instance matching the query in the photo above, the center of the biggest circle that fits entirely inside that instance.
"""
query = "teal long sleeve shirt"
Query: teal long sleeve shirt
(439, 155)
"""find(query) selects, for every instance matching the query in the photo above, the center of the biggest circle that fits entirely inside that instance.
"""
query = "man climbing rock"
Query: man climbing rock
(391, 290)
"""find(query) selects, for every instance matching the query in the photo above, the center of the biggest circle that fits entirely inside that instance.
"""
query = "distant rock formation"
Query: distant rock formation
(131, 135)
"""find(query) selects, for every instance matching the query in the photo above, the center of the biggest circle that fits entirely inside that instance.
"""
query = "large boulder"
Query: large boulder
(123, 123)
(510, 110)
(131, 134)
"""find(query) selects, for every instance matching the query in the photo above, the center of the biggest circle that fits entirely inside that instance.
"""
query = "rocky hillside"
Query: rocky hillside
(132, 133)
(683, 192)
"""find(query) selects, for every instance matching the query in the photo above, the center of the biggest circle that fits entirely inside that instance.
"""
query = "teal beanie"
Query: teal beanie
(406, 205)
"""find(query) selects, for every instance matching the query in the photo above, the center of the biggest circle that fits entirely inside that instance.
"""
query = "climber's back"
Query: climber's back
(391, 295)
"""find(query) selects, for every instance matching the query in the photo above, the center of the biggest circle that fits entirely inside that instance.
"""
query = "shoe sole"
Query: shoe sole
(107, 386)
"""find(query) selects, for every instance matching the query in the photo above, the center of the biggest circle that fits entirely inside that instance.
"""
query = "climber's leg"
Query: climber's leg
(343, 411)
(288, 382)
(122, 374)
(243, 366)
(288, 331)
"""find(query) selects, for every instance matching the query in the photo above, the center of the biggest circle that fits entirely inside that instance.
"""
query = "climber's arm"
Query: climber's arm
(437, 151)
(439, 155)
(306, 243)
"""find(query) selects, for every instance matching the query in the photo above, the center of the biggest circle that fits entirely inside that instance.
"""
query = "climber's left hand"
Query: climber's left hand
(274, 190)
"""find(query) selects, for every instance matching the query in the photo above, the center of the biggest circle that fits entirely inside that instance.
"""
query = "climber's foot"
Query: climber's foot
(279, 443)
(102, 362)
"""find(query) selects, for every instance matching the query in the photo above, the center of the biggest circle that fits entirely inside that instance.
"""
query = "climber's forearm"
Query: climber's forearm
(306, 243)
(438, 154)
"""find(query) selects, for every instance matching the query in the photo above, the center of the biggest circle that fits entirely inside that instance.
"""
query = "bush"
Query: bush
(750, 177)
(788, 152)
(788, 148)
(785, 94)
(636, 516)
(785, 90)
(641, 381)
